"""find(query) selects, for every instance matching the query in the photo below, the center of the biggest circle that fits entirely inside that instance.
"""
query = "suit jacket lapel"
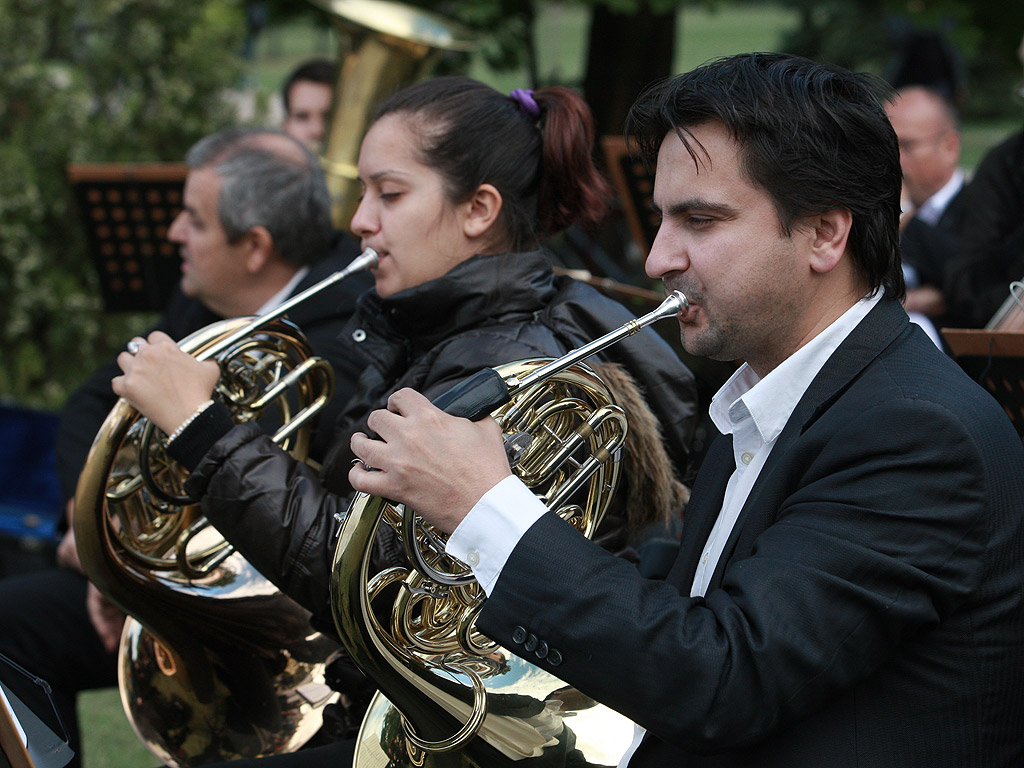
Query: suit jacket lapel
(876, 331)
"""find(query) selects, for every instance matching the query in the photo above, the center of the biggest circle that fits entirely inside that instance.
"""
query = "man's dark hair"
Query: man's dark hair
(814, 137)
(321, 71)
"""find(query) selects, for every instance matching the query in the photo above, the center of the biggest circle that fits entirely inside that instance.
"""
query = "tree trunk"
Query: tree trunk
(626, 53)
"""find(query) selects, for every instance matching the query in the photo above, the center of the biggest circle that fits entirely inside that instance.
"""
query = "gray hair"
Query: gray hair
(270, 180)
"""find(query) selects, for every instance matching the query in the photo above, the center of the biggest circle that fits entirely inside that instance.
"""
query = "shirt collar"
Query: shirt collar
(931, 210)
(279, 297)
(770, 401)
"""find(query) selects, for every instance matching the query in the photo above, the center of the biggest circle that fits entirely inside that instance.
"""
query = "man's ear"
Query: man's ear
(258, 248)
(830, 232)
(482, 211)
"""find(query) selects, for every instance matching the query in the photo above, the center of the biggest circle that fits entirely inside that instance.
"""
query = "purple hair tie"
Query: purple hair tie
(527, 104)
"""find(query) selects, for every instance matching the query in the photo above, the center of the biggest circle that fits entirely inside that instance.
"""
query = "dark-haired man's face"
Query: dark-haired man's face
(721, 244)
(309, 111)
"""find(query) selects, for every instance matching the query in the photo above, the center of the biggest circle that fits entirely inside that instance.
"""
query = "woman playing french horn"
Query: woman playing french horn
(460, 184)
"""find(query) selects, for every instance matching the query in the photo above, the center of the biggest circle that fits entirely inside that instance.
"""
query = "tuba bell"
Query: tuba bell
(384, 46)
(449, 696)
(214, 662)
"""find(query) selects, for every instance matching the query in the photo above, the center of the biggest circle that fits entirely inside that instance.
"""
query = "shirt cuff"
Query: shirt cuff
(485, 538)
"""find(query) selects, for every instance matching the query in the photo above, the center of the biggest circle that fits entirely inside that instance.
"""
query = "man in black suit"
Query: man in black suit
(255, 230)
(929, 138)
(992, 241)
(849, 589)
(926, 128)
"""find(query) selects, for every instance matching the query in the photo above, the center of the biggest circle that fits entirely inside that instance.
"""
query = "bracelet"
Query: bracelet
(181, 427)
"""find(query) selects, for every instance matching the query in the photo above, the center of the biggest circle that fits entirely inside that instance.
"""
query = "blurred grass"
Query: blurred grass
(108, 740)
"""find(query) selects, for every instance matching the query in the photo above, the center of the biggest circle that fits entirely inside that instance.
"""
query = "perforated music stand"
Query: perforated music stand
(126, 209)
(994, 359)
(635, 187)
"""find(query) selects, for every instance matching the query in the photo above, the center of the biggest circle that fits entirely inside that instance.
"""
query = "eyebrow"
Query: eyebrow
(384, 174)
(695, 204)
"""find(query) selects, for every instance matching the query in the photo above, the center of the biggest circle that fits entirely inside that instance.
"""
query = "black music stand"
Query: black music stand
(994, 359)
(126, 209)
(635, 187)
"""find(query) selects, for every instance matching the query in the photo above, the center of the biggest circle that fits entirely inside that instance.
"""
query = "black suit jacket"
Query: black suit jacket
(321, 318)
(992, 235)
(867, 610)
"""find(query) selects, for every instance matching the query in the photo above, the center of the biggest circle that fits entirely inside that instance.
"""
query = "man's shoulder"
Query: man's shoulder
(185, 315)
(913, 370)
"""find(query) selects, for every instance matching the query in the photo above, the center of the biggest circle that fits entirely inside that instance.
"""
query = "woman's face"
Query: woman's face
(403, 213)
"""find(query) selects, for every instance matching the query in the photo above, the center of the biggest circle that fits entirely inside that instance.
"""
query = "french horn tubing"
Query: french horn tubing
(449, 696)
(214, 662)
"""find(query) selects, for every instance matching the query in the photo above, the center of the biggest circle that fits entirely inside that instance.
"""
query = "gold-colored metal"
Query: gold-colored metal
(383, 47)
(448, 695)
(215, 663)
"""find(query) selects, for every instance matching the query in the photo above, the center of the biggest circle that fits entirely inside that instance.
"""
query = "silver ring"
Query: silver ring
(132, 347)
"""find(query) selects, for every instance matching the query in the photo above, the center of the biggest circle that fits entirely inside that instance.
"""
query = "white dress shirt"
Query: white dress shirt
(931, 210)
(752, 409)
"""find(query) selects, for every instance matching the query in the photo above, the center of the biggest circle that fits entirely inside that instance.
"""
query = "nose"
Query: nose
(665, 257)
(317, 129)
(176, 232)
(364, 222)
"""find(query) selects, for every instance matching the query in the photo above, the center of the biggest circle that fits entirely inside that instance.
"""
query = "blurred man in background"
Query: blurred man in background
(307, 96)
(929, 140)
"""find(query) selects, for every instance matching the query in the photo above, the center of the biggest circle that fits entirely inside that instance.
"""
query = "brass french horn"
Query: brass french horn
(214, 663)
(448, 695)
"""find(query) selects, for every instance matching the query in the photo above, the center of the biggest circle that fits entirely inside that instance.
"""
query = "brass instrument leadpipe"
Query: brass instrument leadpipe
(366, 260)
(481, 393)
(674, 304)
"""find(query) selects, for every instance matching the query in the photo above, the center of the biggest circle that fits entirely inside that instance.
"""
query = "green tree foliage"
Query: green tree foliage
(862, 34)
(97, 81)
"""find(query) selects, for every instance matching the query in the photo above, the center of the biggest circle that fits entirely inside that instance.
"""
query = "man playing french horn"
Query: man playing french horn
(460, 184)
(256, 228)
(849, 589)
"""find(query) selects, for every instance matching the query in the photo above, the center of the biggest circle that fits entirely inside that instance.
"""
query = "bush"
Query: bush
(108, 80)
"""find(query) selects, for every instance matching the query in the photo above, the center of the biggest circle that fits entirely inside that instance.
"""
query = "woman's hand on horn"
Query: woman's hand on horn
(438, 464)
(163, 383)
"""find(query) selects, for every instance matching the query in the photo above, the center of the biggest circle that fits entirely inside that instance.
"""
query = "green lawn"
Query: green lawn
(108, 740)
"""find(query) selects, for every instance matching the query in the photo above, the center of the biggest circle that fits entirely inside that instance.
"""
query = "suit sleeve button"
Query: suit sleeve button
(554, 657)
(542, 649)
(531, 642)
(518, 635)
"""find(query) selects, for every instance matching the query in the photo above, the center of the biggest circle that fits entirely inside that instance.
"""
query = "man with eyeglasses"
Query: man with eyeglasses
(929, 140)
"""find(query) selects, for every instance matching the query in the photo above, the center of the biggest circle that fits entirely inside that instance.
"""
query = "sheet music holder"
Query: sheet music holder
(44, 749)
(635, 187)
(994, 359)
(126, 209)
